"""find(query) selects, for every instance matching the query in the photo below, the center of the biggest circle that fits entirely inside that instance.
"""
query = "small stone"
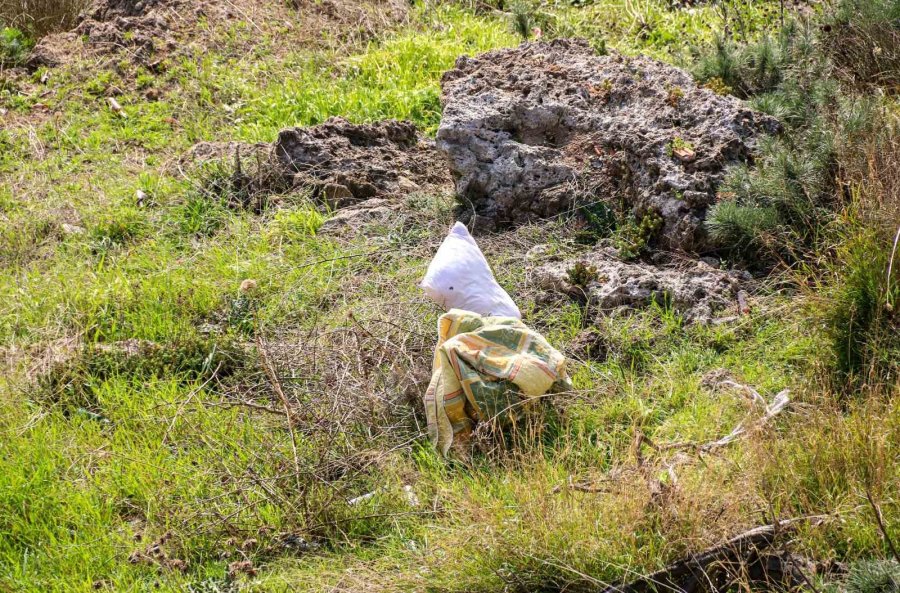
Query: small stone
(353, 220)
(116, 107)
(685, 154)
(537, 252)
(406, 185)
(72, 229)
(335, 193)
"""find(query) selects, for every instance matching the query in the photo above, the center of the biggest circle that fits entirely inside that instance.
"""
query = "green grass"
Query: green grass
(103, 453)
(394, 78)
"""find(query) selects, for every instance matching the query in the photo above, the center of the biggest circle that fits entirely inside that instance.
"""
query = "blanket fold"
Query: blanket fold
(486, 369)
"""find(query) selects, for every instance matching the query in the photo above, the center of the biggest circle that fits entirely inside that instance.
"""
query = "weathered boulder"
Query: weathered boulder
(347, 163)
(694, 289)
(535, 130)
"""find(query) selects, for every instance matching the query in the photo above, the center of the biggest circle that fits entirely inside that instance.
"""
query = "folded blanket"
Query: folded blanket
(487, 368)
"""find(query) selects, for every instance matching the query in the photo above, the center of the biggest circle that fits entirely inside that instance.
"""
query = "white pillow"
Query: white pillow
(459, 278)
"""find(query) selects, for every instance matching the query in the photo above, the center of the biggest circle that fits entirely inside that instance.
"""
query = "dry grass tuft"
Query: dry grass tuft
(356, 21)
(866, 55)
(41, 17)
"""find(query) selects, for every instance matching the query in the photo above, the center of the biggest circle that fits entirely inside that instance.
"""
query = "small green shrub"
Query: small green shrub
(874, 576)
(581, 275)
(295, 226)
(14, 45)
(742, 227)
(861, 317)
(718, 86)
(529, 17)
(599, 222)
(100, 83)
(523, 19)
(633, 237)
(144, 80)
(748, 69)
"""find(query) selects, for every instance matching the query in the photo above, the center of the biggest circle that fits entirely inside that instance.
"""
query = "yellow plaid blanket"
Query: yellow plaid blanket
(486, 368)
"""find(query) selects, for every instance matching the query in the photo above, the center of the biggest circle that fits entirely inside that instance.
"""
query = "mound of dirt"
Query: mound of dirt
(695, 290)
(146, 31)
(142, 28)
(533, 131)
(348, 163)
(133, 24)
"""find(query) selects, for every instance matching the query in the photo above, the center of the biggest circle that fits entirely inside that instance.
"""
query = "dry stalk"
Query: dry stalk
(276, 385)
(879, 519)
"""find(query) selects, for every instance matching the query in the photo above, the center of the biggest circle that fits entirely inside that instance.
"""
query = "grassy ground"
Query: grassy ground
(174, 468)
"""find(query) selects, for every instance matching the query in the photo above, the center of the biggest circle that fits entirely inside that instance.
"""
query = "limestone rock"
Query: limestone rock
(532, 131)
(607, 283)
